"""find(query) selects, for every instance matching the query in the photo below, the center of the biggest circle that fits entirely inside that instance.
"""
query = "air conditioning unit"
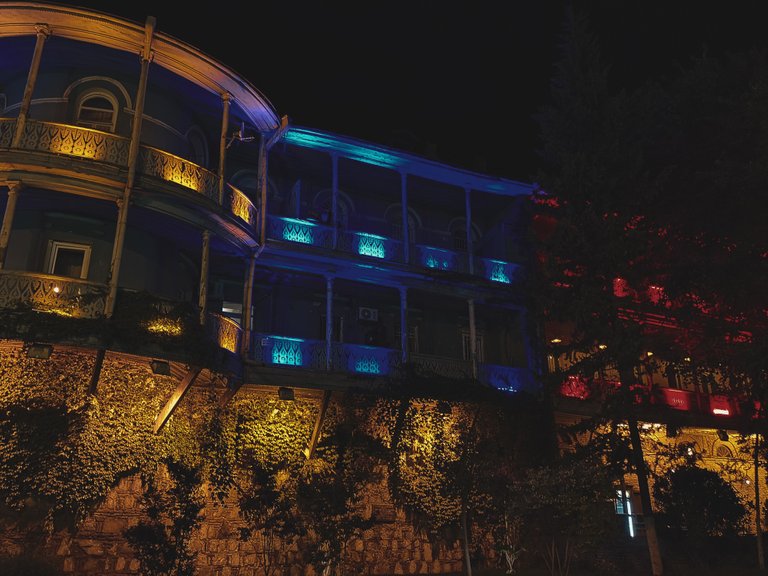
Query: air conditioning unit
(368, 314)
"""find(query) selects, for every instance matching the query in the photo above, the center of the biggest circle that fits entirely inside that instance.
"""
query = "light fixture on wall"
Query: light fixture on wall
(285, 393)
(160, 367)
(42, 351)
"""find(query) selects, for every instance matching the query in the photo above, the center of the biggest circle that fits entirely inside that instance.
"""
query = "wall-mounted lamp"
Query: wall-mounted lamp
(285, 393)
(42, 351)
(723, 435)
(160, 367)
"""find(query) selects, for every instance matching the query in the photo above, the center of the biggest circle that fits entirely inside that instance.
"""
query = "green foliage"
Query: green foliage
(173, 507)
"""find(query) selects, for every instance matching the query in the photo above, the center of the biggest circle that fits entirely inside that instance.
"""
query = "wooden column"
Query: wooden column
(223, 145)
(133, 153)
(470, 247)
(404, 203)
(42, 33)
(334, 199)
(245, 342)
(10, 209)
(404, 323)
(328, 321)
(202, 300)
(472, 337)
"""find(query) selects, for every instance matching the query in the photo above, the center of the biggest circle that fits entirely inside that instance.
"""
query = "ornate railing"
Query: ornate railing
(241, 206)
(363, 359)
(371, 245)
(299, 231)
(287, 351)
(428, 365)
(225, 331)
(65, 139)
(497, 270)
(45, 292)
(159, 164)
(439, 259)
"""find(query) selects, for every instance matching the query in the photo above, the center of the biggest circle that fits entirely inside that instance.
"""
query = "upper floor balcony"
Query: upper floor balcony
(105, 156)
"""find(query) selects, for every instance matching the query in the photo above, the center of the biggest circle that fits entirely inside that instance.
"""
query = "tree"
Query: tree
(173, 506)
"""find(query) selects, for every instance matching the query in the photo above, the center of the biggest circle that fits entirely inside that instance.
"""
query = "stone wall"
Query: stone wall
(98, 548)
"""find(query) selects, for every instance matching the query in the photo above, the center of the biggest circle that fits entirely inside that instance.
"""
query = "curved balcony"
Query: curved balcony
(48, 293)
(109, 149)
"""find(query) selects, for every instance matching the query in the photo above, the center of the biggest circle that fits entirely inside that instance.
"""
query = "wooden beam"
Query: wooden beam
(178, 394)
(309, 451)
(97, 364)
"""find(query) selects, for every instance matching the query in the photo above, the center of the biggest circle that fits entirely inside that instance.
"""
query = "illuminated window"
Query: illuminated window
(97, 111)
(69, 260)
(624, 508)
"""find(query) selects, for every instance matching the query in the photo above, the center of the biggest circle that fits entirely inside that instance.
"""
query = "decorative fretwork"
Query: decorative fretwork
(300, 231)
(69, 140)
(153, 162)
(506, 378)
(65, 296)
(292, 352)
(498, 270)
(365, 359)
(371, 245)
(7, 127)
(225, 331)
(440, 259)
(241, 206)
(441, 366)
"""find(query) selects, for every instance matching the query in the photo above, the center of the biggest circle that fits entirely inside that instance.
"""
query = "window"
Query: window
(97, 111)
(69, 260)
(623, 505)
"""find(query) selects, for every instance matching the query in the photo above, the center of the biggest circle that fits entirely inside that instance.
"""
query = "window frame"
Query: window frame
(57, 245)
(97, 125)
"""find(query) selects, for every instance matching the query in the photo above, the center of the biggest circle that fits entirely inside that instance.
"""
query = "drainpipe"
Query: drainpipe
(10, 208)
(245, 344)
(43, 31)
(133, 154)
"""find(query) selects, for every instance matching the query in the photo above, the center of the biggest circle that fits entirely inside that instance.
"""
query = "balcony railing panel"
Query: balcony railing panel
(159, 164)
(498, 270)
(69, 140)
(439, 259)
(427, 365)
(362, 359)
(371, 245)
(299, 231)
(290, 352)
(241, 206)
(66, 296)
(225, 331)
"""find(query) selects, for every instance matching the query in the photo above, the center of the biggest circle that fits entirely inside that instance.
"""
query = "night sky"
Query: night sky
(456, 81)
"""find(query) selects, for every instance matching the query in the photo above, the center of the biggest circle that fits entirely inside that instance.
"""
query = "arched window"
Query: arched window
(198, 147)
(97, 110)
(458, 232)
(394, 218)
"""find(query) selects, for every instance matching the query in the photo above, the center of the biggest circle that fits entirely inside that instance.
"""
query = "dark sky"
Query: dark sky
(458, 81)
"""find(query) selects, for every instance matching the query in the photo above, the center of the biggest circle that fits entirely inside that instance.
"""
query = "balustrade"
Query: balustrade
(48, 293)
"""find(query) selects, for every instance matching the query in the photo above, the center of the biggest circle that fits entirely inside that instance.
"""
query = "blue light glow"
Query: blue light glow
(298, 231)
(499, 271)
(368, 155)
(437, 259)
(367, 366)
(371, 245)
(287, 351)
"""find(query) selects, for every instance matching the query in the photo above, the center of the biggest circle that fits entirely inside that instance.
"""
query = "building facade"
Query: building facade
(162, 220)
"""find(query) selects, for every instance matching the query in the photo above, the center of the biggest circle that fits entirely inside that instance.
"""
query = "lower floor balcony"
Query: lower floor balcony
(337, 357)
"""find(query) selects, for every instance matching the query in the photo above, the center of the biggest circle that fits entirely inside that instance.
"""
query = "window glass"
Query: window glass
(69, 260)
